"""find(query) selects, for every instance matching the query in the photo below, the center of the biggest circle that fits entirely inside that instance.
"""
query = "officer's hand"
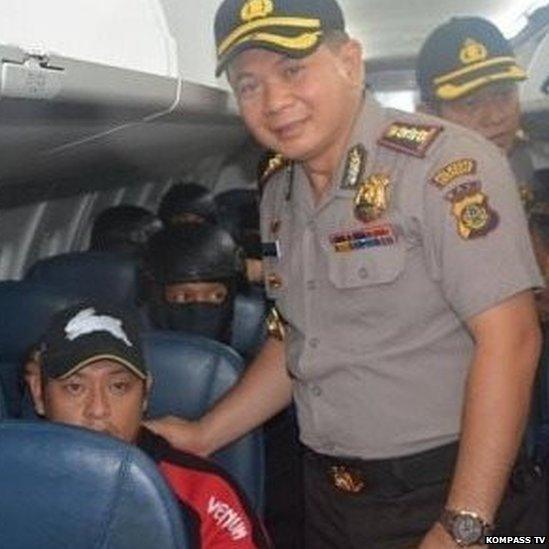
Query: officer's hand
(181, 433)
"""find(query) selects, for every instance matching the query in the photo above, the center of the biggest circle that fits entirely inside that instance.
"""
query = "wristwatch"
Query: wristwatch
(465, 527)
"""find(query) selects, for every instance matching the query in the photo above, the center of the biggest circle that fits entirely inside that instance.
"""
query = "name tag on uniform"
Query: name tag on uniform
(271, 249)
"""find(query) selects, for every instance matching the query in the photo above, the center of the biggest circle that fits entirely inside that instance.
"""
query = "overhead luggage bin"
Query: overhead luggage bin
(106, 94)
(60, 117)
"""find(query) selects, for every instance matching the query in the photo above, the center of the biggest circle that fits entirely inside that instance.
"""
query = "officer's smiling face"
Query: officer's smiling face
(493, 111)
(301, 108)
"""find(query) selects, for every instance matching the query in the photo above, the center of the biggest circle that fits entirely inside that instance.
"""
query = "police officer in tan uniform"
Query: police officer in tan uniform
(467, 73)
(397, 252)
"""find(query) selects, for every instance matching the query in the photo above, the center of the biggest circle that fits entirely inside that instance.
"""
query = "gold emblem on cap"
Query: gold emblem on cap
(372, 199)
(472, 52)
(256, 9)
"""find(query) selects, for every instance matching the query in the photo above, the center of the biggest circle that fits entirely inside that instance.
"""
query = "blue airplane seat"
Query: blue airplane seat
(249, 329)
(190, 373)
(3, 407)
(106, 276)
(26, 309)
(69, 487)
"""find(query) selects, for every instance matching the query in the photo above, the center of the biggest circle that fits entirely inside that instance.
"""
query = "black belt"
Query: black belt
(388, 476)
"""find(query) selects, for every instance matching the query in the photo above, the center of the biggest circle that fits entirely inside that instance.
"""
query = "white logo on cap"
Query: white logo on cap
(87, 322)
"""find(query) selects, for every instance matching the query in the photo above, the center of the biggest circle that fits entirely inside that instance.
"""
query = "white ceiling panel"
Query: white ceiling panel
(397, 28)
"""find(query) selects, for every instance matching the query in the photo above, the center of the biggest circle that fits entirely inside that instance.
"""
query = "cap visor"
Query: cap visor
(297, 46)
(475, 79)
(82, 364)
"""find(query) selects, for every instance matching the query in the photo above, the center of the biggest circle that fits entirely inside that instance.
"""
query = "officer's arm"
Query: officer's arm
(497, 402)
(264, 390)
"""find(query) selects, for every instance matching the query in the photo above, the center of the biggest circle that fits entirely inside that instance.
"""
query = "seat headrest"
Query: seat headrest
(106, 276)
(69, 487)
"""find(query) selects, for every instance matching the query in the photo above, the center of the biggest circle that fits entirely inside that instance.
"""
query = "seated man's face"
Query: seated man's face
(493, 111)
(104, 396)
(214, 293)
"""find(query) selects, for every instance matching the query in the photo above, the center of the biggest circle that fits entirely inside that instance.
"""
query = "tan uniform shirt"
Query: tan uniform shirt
(377, 346)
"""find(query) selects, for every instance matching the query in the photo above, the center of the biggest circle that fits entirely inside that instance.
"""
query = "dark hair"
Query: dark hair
(187, 198)
(123, 228)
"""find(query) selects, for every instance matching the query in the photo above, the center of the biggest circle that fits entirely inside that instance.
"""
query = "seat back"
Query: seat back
(3, 403)
(26, 310)
(69, 487)
(105, 276)
(190, 374)
(249, 328)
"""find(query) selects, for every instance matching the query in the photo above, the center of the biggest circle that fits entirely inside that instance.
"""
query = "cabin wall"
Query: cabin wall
(56, 226)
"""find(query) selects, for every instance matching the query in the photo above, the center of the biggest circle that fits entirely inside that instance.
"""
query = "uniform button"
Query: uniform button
(363, 273)
(314, 343)
(311, 285)
(316, 390)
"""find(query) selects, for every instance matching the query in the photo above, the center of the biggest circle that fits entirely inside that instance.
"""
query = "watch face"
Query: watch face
(467, 529)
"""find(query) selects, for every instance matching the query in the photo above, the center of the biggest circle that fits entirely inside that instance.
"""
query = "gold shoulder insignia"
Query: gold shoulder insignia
(453, 170)
(413, 139)
(272, 164)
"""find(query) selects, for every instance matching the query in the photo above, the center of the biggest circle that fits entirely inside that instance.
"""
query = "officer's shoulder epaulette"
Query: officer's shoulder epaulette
(410, 138)
(274, 164)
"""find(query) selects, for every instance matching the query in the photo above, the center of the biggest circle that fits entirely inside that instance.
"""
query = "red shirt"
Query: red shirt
(217, 509)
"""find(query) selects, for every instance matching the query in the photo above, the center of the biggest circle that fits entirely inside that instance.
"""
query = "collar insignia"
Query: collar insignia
(472, 52)
(256, 9)
(372, 198)
(275, 164)
(354, 167)
(413, 139)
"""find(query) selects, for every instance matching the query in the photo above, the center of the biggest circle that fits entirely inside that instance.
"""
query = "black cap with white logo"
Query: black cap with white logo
(291, 27)
(86, 333)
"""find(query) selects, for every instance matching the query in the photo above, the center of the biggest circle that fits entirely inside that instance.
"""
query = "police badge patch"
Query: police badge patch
(474, 216)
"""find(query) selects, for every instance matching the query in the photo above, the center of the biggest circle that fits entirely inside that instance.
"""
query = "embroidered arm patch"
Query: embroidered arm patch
(453, 170)
(474, 216)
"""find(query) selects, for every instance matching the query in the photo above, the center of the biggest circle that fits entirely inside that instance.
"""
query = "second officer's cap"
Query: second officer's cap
(463, 55)
(291, 27)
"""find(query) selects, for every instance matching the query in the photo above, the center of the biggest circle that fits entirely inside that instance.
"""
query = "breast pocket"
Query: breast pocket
(369, 266)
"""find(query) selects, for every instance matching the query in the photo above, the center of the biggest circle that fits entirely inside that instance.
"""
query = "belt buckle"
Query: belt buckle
(346, 479)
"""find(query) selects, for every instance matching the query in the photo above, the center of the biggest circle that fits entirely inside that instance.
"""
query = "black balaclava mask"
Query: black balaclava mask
(194, 253)
(210, 320)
